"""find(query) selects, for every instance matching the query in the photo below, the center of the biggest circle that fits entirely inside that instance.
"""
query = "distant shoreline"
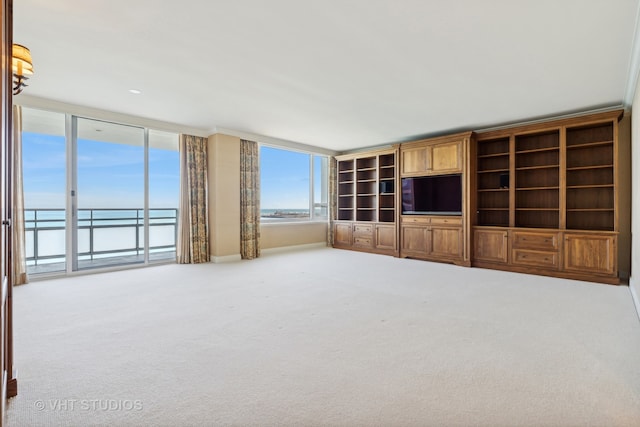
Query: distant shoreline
(284, 214)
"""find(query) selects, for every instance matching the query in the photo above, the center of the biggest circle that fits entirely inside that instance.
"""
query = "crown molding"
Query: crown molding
(276, 142)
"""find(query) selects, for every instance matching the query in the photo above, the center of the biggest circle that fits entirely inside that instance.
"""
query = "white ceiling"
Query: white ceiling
(337, 74)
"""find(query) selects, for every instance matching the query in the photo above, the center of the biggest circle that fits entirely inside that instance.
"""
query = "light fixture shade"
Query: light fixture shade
(21, 64)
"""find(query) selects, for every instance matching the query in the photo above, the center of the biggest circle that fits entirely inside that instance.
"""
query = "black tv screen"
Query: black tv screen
(432, 195)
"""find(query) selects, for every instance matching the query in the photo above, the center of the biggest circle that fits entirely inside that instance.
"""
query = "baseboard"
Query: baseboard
(294, 248)
(226, 258)
(634, 295)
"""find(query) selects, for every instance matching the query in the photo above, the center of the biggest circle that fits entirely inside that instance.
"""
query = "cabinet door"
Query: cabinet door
(490, 245)
(446, 157)
(446, 241)
(416, 161)
(342, 234)
(415, 240)
(590, 253)
(386, 237)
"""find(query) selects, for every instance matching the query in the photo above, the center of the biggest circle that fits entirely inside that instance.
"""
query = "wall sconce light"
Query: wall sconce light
(22, 67)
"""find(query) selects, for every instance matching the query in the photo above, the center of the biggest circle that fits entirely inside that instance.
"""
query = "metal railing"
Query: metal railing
(101, 233)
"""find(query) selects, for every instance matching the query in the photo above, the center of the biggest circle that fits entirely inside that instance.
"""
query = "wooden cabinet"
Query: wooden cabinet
(590, 253)
(535, 249)
(446, 242)
(437, 237)
(363, 236)
(554, 188)
(446, 157)
(385, 237)
(416, 161)
(415, 240)
(431, 237)
(433, 157)
(342, 234)
(491, 245)
(366, 202)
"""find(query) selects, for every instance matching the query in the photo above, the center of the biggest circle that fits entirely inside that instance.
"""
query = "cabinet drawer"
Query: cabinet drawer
(416, 220)
(362, 229)
(363, 242)
(535, 258)
(449, 221)
(534, 240)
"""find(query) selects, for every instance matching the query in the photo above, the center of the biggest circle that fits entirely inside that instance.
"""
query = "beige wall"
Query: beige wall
(279, 235)
(224, 207)
(224, 196)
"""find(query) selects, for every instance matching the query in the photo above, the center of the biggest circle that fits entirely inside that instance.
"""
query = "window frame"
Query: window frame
(312, 204)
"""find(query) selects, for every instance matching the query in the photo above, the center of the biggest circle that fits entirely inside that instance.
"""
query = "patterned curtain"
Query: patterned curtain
(19, 259)
(193, 216)
(249, 200)
(333, 194)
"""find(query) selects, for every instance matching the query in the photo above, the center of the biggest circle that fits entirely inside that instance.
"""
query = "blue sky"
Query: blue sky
(284, 179)
(109, 175)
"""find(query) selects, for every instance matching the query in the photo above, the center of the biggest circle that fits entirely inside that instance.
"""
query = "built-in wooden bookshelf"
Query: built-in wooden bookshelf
(346, 190)
(366, 189)
(387, 188)
(366, 202)
(590, 177)
(537, 180)
(547, 198)
(493, 182)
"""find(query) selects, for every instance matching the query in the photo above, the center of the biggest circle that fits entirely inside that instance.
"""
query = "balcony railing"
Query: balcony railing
(103, 235)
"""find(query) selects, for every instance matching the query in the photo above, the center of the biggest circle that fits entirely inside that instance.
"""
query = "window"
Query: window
(105, 194)
(293, 185)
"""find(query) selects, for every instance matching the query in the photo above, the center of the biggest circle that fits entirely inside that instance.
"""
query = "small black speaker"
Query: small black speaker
(386, 187)
(504, 180)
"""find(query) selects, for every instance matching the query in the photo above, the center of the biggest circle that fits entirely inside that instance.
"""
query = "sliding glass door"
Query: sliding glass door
(44, 169)
(108, 202)
(97, 194)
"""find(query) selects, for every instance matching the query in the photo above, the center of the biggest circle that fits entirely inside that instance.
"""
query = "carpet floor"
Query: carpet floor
(324, 337)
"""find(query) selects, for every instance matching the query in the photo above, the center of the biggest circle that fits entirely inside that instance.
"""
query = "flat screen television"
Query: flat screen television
(432, 195)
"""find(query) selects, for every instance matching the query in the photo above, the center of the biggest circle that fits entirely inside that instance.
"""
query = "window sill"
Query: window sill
(292, 222)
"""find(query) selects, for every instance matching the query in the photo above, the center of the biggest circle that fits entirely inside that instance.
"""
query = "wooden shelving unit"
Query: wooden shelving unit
(387, 185)
(346, 187)
(493, 182)
(590, 177)
(366, 201)
(547, 198)
(537, 180)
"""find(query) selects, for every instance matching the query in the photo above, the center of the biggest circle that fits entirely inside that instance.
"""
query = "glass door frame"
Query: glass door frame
(71, 221)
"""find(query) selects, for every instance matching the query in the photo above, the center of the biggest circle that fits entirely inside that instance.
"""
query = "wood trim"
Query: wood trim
(595, 278)
(437, 140)
(563, 179)
(551, 123)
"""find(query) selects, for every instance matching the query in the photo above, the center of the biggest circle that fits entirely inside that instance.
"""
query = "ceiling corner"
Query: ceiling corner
(634, 64)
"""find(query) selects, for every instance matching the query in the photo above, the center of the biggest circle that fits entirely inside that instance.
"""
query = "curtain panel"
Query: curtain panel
(333, 194)
(193, 216)
(18, 252)
(249, 200)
